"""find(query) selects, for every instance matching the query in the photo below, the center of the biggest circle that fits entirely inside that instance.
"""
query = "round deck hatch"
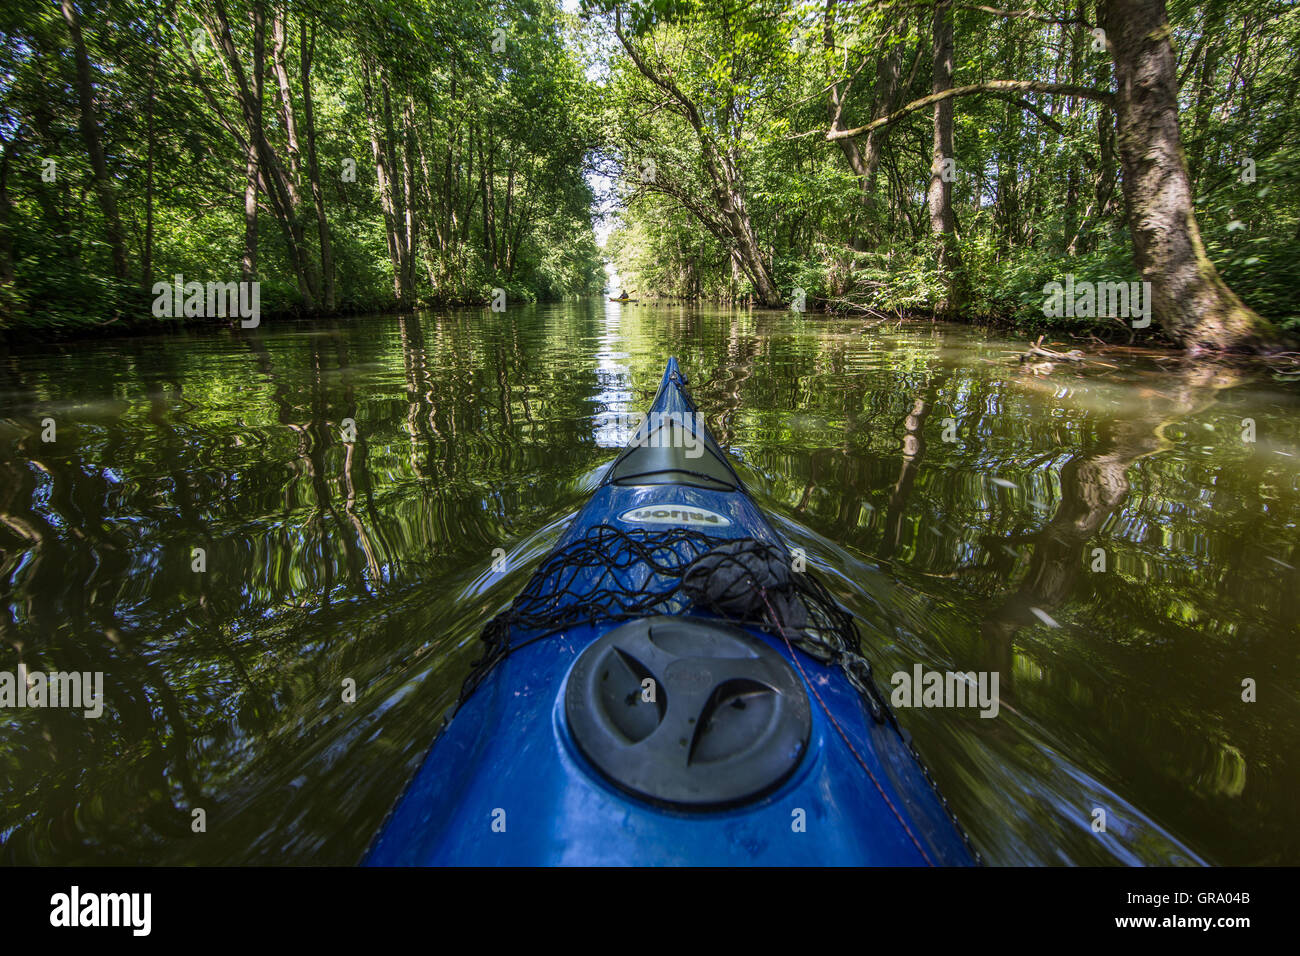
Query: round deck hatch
(688, 712)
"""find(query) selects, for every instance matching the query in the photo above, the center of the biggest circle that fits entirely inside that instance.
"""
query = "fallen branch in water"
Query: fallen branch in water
(1037, 352)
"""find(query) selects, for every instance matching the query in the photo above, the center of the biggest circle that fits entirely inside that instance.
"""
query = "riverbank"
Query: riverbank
(1109, 335)
(145, 324)
(1079, 331)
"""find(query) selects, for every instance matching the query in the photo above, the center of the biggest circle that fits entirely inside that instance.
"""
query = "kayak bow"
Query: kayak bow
(667, 691)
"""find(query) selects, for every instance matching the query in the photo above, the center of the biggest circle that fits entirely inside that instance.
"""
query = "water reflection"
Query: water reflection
(956, 504)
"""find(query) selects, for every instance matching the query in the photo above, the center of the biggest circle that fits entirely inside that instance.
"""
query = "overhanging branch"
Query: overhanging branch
(988, 86)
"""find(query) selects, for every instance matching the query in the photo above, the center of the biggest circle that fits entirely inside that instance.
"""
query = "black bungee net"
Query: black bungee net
(630, 574)
(610, 574)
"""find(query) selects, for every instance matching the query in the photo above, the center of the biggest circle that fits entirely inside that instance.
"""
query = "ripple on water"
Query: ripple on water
(1102, 538)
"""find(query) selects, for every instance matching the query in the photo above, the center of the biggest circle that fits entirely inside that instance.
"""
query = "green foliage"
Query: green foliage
(1240, 227)
(1037, 192)
(500, 133)
(172, 128)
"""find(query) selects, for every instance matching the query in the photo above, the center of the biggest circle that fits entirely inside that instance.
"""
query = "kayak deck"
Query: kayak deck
(540, 801)
(742, 751)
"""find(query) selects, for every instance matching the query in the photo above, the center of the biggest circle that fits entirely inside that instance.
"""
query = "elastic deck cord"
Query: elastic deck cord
(844, 736)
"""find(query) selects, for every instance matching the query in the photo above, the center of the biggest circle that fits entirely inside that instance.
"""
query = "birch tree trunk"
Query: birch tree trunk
(306, 50)
(1190, 301)
(943, 225)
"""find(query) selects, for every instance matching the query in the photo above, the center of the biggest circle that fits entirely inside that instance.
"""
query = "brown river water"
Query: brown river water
(1117, 541)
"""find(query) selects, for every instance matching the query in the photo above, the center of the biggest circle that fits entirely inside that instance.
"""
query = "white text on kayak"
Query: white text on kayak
(675, 515)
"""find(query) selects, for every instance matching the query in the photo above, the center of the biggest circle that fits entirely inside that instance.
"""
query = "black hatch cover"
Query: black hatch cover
(728, 722)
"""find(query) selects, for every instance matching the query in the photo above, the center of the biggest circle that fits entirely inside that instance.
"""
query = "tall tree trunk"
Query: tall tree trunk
(725, 179)
(384, 177)
(1212, 28)
(253, 162)
(1073, 221)
(432, 209)
(288, 119)
(412, 222)
(449, 180)
(864, 159)
(279, 42)
(470, 194)
(89, 124)
(397, 188)
(281, 192)
(504, 252)
(943, 224)
(248, 264)
(6, 216)
(434, 204)
(751, 257)
(146, 258)
(485, 197)
(306, 49)
(1189, 299)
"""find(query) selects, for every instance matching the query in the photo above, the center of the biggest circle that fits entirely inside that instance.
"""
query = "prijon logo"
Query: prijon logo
(675, 514)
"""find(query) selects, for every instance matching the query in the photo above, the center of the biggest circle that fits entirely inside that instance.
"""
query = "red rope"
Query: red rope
(845, 737)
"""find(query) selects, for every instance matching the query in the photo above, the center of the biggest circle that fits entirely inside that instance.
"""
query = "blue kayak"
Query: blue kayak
(671, 687)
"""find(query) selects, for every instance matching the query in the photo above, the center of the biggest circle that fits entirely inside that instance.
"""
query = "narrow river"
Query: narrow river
(1119, 543)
